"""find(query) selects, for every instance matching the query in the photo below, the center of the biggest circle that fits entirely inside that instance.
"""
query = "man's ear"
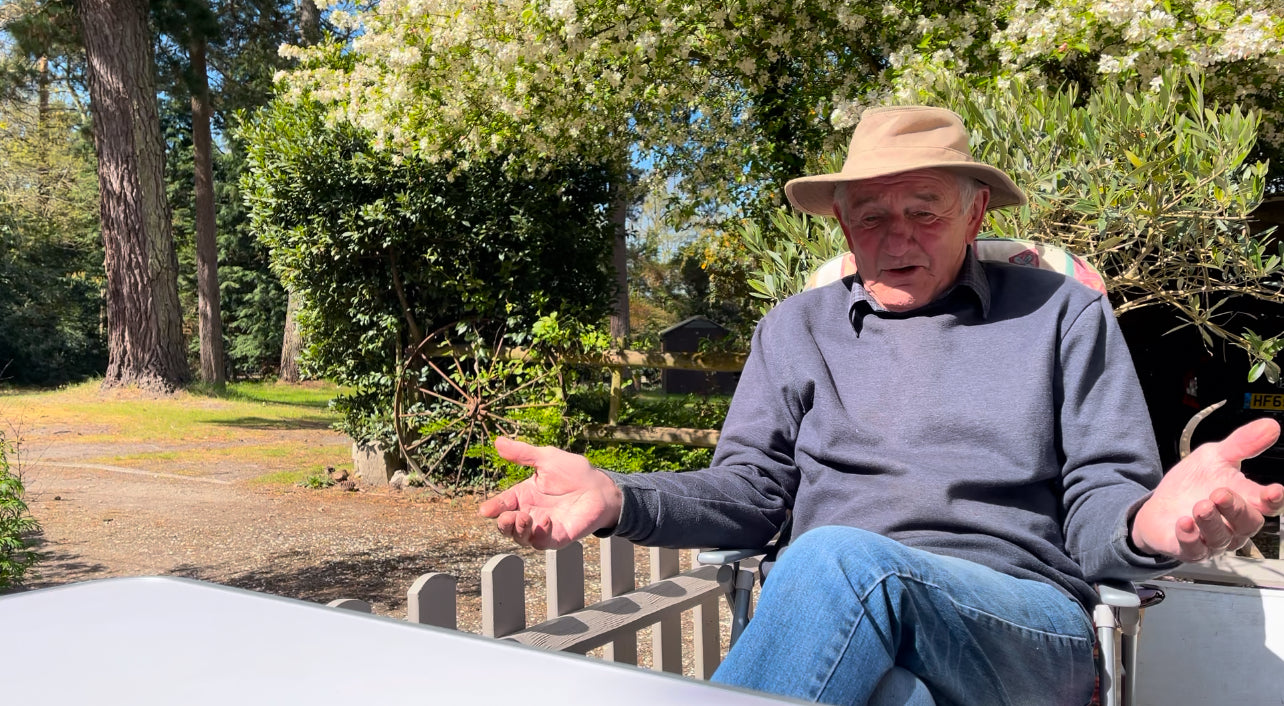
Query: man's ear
(976, 216)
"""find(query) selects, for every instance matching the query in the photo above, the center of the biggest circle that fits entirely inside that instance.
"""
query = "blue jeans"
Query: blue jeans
(851, 617)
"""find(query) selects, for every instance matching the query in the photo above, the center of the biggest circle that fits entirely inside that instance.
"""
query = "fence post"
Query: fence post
(564, 577)
(617, 579)
(431, 601)
(617, 397)
(503, 595)
(666, 636)
(706, 635)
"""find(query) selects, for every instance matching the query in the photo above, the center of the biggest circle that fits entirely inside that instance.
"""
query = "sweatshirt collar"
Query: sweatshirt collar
(971, 278)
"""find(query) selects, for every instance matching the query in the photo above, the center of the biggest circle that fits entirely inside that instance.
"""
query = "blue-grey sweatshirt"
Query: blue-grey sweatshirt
(1002, 423)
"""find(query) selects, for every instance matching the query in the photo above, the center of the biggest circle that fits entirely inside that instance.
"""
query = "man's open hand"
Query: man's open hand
(564, 500)
(1205, 505)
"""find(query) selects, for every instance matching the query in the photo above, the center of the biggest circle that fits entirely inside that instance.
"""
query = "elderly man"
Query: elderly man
(957, 450)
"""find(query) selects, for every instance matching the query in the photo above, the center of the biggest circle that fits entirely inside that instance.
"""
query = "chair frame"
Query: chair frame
(1116, 619)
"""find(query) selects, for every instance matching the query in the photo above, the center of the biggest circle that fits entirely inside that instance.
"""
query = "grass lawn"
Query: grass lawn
(284, 430)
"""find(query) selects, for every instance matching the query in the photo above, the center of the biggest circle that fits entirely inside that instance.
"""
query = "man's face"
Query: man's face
(909, 234)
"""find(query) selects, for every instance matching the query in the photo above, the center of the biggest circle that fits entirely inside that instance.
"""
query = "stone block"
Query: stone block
(375, 465)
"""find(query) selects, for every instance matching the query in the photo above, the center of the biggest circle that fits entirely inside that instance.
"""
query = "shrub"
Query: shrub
(16, 524)
(384, 249)
(50, 304)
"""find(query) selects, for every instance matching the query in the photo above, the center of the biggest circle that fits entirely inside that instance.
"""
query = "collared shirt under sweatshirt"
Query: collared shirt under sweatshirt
(1002, 423)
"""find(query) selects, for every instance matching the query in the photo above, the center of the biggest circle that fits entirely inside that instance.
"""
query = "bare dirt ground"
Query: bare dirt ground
(167, 492)
(183, 518)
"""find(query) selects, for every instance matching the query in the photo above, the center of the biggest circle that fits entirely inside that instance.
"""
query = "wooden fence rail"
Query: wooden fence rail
(613, 623)
(617, 361)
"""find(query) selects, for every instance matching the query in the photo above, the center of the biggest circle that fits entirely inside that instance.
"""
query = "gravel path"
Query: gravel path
(101, 521)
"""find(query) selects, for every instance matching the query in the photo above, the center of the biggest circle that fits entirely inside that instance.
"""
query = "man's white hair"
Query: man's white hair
(967, 190)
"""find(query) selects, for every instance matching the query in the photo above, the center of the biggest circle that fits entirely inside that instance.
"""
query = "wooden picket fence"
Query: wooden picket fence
(612, 624)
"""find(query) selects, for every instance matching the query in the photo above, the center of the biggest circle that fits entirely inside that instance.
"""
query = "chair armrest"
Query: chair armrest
(1118, 595)
(728, 556)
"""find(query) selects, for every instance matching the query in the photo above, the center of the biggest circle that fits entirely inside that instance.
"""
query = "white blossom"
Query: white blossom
(563, 10)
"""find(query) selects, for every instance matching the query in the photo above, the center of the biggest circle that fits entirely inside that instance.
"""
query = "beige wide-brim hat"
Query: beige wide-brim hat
(891, 141)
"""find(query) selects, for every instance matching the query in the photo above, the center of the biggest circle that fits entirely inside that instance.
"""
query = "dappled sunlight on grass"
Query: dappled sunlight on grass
(316, 395)
(270, 458)
(254, 430)
(244, 410)
(282, 478)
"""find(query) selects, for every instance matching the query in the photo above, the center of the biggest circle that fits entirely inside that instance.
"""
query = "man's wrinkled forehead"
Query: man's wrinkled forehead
(929, 185)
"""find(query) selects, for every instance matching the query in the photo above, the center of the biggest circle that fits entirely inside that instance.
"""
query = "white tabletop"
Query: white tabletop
(156, 640)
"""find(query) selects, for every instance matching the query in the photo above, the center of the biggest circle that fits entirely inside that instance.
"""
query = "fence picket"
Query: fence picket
(666, 636)
(612, 624)
(350, 604)
(564, 576)
(431, 601)
(706, 636)
(503, 595)
(617, 579)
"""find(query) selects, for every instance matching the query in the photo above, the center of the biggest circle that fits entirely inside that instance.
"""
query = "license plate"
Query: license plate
(1264, 400)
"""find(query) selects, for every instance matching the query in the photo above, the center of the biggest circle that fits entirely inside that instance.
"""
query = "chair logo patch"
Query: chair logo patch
(1027, 258)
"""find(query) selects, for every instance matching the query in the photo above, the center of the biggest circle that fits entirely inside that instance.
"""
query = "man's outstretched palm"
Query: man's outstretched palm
(1205, 505)
(564, 500)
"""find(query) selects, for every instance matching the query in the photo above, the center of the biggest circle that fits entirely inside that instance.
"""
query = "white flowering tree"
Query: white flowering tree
(733, 97)
(725, 100)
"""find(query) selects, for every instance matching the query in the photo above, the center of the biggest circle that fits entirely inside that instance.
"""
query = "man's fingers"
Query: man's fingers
(541, 532)
(1249, 440)
(516, 451)
(1189, 541)
(1242, 519)
(1265, 499)
(504, 502)
(516, 526)
(1272, 499)
(1212, 529)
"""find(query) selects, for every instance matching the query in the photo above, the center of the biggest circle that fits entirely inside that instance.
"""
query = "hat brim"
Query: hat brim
(815, 194)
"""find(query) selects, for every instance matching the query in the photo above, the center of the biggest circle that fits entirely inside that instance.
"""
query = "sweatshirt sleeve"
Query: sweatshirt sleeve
(1111, 461)
(744, 498)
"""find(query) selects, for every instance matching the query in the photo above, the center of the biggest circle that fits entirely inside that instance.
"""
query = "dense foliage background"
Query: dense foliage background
(385, 249)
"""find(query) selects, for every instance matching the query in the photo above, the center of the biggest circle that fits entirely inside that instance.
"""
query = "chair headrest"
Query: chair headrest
(1018, 252)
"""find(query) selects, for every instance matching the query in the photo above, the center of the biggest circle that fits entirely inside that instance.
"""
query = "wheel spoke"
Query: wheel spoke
(444, 451)
(463, 458)
(532, 405)
(440, 396)
(519, 388)
(505, 423)
(446, 377)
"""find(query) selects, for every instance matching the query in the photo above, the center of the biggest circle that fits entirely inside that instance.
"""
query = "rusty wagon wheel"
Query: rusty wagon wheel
(457, 391)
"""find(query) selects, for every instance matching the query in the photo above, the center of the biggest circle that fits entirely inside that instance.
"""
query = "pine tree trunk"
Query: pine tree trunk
(292, 344)
(620, 259)
(208, 306)
(145, 325)
(309, 22)
(42, 136)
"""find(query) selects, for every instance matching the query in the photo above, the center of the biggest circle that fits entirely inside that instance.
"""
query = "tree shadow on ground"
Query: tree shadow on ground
(56, 567)
(378, 576)
(242, 395)
(266, 424)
